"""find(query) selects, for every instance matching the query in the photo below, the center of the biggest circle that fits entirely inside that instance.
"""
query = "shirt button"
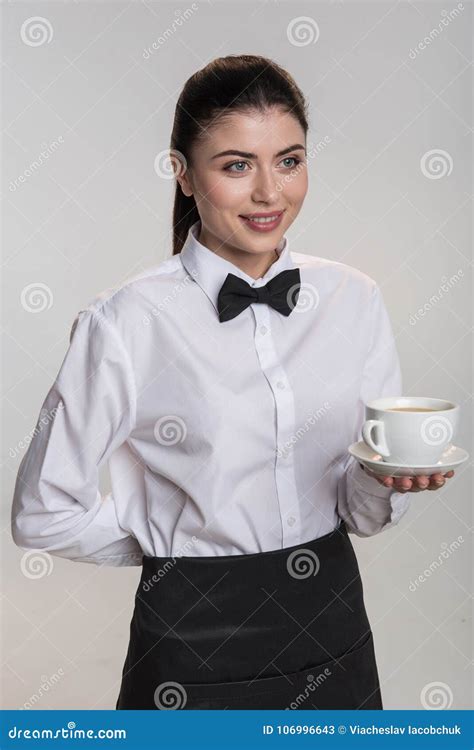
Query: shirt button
(280, 384)
(290, 520)
(263, 330)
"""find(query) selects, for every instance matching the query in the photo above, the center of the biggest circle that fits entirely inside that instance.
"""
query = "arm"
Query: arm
(87, 413)
(363, 503)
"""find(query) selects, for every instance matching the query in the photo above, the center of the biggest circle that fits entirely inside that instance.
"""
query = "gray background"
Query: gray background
(96, 211)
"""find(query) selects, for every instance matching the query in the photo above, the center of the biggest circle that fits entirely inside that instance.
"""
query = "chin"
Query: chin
(262, 245)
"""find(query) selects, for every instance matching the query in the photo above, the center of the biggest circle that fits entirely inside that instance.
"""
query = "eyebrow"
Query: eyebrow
(248, 155)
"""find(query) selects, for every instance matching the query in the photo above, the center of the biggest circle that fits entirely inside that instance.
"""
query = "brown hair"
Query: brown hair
(225, 85)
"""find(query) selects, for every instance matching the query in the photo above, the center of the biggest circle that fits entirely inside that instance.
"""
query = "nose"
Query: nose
(265, 186)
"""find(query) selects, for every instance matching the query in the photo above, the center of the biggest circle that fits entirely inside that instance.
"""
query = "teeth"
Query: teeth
(265, 220)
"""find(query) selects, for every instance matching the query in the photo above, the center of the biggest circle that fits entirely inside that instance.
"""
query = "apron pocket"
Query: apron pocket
(348, 682)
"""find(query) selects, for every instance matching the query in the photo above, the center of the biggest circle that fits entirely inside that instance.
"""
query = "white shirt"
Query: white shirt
(221, 438)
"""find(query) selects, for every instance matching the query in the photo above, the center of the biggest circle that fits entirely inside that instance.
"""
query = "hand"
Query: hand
(412, 484)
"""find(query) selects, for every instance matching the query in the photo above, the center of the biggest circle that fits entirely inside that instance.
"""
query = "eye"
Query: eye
(294, 159)
(228, 167)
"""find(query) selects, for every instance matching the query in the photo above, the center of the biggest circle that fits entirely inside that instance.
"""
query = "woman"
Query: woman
(224, 387)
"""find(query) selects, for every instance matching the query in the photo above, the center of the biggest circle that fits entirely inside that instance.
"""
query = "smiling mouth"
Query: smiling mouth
(263, 222)
(263, 218)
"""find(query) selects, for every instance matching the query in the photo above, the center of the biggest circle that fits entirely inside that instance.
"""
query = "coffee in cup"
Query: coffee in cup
(410, 430)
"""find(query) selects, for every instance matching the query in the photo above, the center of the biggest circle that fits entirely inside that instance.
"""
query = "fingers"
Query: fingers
(421, 482)
(405, 484)
(437, 481)
(414, 483)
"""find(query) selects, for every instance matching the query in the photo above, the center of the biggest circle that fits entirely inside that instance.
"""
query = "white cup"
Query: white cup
(410, 437)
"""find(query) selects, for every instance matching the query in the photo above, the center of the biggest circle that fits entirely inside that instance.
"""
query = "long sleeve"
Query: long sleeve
(89, 411)
(366, 506)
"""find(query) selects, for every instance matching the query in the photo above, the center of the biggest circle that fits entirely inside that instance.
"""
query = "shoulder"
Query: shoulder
(332, 276)
(327, 268)
(132, 298)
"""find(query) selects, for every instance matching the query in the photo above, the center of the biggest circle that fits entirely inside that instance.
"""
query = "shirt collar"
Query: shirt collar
(210, 270)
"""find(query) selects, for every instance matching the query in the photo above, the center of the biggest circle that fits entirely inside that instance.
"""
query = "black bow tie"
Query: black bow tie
(281, 293)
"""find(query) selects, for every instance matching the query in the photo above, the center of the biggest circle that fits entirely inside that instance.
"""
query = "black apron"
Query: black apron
(285, 629)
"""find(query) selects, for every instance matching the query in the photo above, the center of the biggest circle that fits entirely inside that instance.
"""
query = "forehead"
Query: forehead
(260, 132)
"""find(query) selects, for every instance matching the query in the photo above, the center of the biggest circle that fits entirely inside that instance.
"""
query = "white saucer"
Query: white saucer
(452, 457)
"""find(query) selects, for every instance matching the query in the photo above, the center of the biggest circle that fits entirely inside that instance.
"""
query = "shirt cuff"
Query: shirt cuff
(102, 540)
(377, 507)
(368, 484)
(116, 561)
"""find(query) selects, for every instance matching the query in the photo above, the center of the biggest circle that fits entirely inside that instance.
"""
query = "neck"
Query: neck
(253, 264)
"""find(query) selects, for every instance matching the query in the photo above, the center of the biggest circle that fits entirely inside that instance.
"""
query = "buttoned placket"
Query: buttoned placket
(285, 423)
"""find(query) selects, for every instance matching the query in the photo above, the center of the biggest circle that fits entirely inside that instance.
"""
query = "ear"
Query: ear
(185, 184)
(182, 175)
